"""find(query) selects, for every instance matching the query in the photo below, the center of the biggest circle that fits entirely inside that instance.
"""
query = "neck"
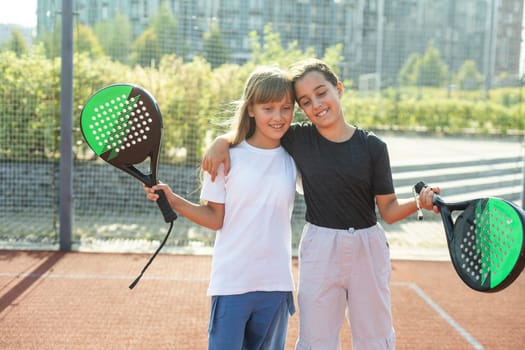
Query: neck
(337, 133)
(264, 144)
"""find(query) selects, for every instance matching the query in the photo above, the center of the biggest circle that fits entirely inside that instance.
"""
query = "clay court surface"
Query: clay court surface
(55, 300)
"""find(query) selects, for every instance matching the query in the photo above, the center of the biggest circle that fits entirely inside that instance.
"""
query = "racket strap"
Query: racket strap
(415, 191)
(132, 285)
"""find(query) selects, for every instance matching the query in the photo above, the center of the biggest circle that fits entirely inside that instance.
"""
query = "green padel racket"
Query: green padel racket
(122, 124)
(485, 241)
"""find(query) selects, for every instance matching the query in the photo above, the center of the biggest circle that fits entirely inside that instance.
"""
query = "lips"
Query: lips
(322, 113)
(277, 126)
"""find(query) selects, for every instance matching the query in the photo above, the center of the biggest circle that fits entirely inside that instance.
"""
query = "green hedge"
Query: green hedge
(194, 99)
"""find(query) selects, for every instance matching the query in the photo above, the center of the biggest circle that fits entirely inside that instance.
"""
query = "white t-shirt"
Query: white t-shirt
(253, 248)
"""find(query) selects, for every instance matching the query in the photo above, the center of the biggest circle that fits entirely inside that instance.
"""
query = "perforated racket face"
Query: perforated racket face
(487, 249)
(122, 124)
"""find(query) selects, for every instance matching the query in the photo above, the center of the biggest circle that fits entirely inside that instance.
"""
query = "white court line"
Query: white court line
(101, 277)
(466, 335)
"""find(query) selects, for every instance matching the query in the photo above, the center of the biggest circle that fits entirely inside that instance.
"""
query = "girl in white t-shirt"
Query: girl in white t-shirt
(251, 280)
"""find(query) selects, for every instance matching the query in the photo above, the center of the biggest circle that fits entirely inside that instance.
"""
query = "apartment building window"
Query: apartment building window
(145, 8)
(257, 5)
(134, 10)
(92, 11)
(104, 10)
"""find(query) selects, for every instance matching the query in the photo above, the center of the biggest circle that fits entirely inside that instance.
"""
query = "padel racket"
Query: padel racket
(122, 124)
(485, 240)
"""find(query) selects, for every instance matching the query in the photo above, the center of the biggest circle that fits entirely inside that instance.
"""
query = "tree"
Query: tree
(333, 57)
(432, 70)
(468, 77)
(115, 37)
(165, 27)
(50, 40)
(28, 106)
(408, 73)
(17, 43)
(214, 49)
(269, 50)
(145, 51)
(86, 41)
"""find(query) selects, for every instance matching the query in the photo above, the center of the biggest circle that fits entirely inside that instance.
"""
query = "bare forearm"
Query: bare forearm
(393, 209)
(397, 210)
(201, 214)
(210, 215)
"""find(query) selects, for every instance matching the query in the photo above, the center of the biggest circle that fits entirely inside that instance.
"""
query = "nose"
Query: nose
(280, 113)
(278, 116)
(316, 102)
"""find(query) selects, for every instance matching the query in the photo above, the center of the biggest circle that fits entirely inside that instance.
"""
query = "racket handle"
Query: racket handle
(419, 186)
(165, 208)
(436, 199)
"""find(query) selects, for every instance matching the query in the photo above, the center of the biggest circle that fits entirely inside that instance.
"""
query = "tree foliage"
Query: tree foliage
(426, 70)
(164, 25)
(17, 43)
(408, 74)
(115, 37)
(196, 97)
(468, 77)
(146, 50)
(432, 70)
(28, 103)
(215, 50)
(86, 42)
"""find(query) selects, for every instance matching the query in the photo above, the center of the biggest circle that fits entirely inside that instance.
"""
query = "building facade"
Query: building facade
(377, 35)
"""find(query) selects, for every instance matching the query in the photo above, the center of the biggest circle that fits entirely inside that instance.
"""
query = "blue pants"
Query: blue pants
(250, 321)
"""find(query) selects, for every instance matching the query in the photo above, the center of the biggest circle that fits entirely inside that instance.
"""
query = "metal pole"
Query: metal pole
(522, 80)
(66, 127)
(379, 45)
(523, 150)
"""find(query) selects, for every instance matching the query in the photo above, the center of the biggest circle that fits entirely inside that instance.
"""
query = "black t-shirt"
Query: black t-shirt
(340, 179)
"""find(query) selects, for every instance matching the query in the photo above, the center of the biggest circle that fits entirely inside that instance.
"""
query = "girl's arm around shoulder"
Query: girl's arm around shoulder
(393, 209)
(208, 214)
(218, 152)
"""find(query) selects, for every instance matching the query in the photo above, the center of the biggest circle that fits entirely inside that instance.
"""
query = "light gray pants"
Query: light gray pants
(344, 270)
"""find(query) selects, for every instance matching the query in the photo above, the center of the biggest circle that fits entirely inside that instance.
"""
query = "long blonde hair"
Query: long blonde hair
(265, 84)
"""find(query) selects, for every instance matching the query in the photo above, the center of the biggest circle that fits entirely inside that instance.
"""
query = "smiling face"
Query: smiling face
(272, 120)
(319, 99)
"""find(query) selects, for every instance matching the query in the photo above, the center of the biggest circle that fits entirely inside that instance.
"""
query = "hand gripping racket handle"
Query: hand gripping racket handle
(436, 199)
(165, 208)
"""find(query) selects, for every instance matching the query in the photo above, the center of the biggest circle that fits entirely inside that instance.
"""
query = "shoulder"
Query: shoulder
(369, 137)
(296, 133)
(375, 146)
(300, 129)
(240, 152)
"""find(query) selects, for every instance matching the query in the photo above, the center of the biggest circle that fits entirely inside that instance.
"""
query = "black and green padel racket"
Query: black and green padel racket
(485, 240)
(122, 124)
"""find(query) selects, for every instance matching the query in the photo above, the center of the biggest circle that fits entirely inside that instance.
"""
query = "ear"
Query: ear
(251, 114)
(340, 88)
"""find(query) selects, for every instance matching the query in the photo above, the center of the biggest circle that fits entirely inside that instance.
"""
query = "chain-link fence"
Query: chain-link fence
(442, 66)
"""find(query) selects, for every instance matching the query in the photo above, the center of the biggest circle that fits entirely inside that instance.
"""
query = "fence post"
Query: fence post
(66, 128)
